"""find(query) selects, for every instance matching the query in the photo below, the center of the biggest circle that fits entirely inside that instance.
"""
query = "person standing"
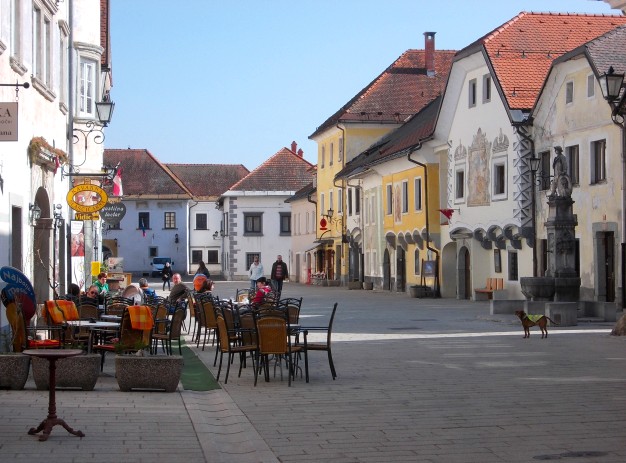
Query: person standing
(279, 273)
(202, 270)
(256, 272)
(166, 275)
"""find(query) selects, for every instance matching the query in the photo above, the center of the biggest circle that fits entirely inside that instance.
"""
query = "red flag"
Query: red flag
(447, 212)
(117, 183)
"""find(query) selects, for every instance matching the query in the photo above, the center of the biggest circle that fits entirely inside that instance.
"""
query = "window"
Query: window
(144, 221)
(459, 191)
(367, 216)
(330, 200)
(389, 210)
(340, 201)
(598, 165)
(196, 256)
(416, 261)
(285, 223)
(591, 86)
(16, 41)
(323, 156)
(253, 223)
(170, 220)
(405, 197)
(499, 180)
(486, 88)
(472, 93)
(63, 63)
(349, 201)
(340, 149)
(417, 193)
(153, 251)
(513, 266)
(569, 92)
(571, 153)
(86, 103)
(544, 170)
(306, 224)
(250, 258)
(322, 204)
(357, 201)
(201, 222)
(212, 257)
(331, 154)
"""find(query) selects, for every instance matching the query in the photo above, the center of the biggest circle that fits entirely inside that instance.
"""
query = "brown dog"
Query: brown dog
(531, 320)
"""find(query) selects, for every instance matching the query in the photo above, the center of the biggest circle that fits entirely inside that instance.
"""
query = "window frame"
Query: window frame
(486, 88)
(459, 187)
(252, 232)
(472, 89)
(323, 156)
(591, 86)
(417, 194)
(349, 201)
(544, 178)
(339, 200)
(86, 104)
(569, 92)
(330, 153)
(389, 199)
(146, 218)
(168, 216)
(357, 201)
(206, 221)
(499, 179)
(285, 219)
(416, 261)
(513, 266)
(598, 162)
(572, 154)
(211, 260)
(405, 197)
(196, 253)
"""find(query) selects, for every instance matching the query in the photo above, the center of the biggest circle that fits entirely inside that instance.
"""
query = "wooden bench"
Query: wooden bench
(486, 293)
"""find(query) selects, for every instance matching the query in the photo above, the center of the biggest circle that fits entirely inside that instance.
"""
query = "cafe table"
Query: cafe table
(52, 355)
(93, 325)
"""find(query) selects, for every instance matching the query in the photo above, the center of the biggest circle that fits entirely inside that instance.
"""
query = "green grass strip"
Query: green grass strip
(196, 376)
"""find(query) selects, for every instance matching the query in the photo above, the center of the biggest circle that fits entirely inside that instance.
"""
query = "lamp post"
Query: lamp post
(534, 167)
(611, 84)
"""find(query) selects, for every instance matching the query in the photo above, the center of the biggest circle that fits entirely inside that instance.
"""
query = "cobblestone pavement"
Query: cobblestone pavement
(419, 380)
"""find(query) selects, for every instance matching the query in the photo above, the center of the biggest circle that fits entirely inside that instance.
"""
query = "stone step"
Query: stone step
(590, 320)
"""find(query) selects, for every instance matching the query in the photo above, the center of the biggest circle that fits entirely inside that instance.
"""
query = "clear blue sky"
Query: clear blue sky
(232, 82)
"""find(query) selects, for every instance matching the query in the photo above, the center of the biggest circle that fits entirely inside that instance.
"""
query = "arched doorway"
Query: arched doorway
(42, 268)
(386, 271)
(400, 269)
(464, 279)
(448, 270)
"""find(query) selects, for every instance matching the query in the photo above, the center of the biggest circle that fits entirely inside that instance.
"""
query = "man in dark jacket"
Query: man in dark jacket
(279, 273)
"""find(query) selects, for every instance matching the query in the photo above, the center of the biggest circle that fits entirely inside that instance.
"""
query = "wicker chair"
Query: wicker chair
(173, 330)
(226, 346)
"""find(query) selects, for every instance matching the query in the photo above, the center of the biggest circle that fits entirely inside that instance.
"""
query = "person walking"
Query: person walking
(166, 275)
(279, 273)
(256, 272)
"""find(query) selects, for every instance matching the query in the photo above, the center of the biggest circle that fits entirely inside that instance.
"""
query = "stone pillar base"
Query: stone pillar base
(563, 313)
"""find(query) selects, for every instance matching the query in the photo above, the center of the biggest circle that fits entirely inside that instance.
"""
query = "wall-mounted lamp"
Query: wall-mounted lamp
(611, 83)
(115, 240)
(176, 238)
(329, 214)
(216, 235)
(35, 213)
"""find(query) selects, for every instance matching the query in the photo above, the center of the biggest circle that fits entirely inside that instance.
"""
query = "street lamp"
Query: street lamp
(611, 84)
(35, 213)
(534, 163)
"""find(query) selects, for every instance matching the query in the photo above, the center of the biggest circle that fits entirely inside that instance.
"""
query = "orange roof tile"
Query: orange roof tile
(402, 90)
(284, 171)
(521, 51)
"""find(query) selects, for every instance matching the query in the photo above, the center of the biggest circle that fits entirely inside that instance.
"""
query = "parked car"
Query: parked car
(158, 263)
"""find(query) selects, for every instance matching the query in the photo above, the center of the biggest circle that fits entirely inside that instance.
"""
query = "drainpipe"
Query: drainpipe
(428, 246)
(70, 131)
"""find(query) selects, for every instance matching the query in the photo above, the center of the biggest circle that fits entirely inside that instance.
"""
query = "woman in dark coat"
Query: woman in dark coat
(202, 270)
(166, 275)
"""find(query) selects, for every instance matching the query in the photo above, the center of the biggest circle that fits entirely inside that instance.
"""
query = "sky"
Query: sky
(235, 81)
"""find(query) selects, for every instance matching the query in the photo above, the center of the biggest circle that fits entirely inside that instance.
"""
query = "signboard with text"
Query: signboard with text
(8, 121)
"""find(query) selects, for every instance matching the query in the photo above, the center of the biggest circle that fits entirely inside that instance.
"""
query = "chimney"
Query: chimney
(300, 152)
(294, 146)
(429, 53)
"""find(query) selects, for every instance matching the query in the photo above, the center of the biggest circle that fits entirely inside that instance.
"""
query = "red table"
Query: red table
(52, 355)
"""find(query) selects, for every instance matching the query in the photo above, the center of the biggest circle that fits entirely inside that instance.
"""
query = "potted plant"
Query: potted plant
(141, 371)
(14, 366)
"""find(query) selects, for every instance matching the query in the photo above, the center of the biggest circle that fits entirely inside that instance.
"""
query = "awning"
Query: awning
(314, 247)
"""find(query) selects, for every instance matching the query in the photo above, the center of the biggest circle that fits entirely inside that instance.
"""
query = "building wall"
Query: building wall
(205, 240)
(304, 222)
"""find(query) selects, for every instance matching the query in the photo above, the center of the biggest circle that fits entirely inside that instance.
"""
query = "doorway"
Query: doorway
(400, 270)
(464, 276)
(386, 271)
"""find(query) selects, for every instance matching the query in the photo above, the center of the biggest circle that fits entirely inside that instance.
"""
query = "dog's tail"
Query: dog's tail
(552, 321)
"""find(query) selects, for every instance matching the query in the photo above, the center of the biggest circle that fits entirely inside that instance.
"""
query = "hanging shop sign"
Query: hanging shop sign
(8, 121)
(87, 216)
(87, 198)
(113, 213)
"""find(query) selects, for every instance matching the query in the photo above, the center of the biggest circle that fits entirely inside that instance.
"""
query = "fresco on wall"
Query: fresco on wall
(397, 203)
(478, 171)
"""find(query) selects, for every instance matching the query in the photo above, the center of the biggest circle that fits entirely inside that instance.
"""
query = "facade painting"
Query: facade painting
(478, 171)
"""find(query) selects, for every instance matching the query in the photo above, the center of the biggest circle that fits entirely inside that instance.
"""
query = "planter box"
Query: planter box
(80, 372)
(368, 285)
(14, 370)
(419, 291)
(354, 285)
(157, 372)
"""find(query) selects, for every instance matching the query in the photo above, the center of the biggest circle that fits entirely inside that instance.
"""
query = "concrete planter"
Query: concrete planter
(368, 285)
(419, 291)
(80, 372)
(14, 370)
(354, 285)
(155, 372)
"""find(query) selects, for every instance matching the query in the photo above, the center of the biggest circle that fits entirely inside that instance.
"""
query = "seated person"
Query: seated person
(179, 290)
(262, 288)
(147, 291)
(73, 292)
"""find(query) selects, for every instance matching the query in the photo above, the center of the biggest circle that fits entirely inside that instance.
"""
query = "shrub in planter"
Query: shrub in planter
(156, 372)
(80, 372)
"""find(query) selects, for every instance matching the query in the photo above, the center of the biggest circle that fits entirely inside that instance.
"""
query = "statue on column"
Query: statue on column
(561, 185)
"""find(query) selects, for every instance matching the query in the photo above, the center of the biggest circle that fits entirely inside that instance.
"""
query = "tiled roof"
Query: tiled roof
(609, 51)
(208, 180)
(143, 175)
(400, 91)
(416, 130)
(521, 51)
(284, 171)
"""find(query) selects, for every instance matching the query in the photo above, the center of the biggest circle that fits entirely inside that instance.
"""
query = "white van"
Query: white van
(157, 265)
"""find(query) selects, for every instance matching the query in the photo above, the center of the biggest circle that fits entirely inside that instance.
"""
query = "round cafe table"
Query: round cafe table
(52, 355)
